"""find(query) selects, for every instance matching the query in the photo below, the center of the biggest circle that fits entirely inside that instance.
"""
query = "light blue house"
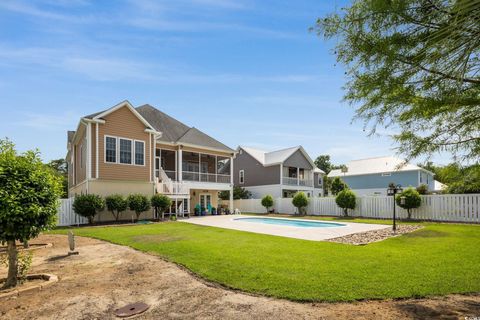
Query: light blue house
(372, 176)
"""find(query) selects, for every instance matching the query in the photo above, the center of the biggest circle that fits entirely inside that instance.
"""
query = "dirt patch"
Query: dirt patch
(31, 247)
(105, 277)
(367, 237)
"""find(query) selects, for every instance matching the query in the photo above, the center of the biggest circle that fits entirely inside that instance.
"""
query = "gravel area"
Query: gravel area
(363, 238)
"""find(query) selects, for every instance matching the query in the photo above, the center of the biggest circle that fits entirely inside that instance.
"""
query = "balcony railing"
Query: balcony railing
(297, 182)
(205, 177)
(170, 173)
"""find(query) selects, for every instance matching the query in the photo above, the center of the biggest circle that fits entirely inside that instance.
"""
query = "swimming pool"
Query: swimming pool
(292, 222)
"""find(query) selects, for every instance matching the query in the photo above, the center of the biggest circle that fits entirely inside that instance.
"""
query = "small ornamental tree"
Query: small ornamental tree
(29, 193)
(116, 204)
(337, 185)
(161, 203)
(267, 202)
(88, 205)
(422, 189)
(138, 203)
(346, 199)
(412, 200)
(300, 201)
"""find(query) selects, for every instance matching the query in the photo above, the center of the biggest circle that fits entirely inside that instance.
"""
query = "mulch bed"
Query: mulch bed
(363, 238)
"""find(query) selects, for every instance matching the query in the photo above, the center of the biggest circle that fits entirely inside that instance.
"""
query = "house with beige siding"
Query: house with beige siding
(279, 173)
(127, 150)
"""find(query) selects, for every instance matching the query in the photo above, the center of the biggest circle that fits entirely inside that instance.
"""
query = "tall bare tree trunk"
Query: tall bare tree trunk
(12, 264)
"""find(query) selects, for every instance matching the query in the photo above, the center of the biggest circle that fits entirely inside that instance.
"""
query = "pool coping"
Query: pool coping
(312, 234)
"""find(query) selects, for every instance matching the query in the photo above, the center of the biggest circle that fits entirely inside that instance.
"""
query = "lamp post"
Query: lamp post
(392, 191)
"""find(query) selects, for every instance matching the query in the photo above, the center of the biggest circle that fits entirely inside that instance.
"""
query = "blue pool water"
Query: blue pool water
(292, 222)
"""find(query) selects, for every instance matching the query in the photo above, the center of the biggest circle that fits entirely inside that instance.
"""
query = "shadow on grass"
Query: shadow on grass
(156, 238)
(427, 234)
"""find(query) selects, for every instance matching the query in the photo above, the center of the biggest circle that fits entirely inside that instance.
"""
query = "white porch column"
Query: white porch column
(298, 176)
(231, 185)
(231, 200)
(88, 160)
(179, 166)
(231, 171)
(281, 174)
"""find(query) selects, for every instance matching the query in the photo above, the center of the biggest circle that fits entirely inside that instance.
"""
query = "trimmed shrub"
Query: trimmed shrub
(267, 202)
(300, 201)
(116, 204)
(422, 189)
(88, 205)
(346, 199)
(161, 203)
(412, 200)
(138, 203)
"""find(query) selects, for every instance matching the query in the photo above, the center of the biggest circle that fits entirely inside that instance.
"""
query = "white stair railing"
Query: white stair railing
(165, 185)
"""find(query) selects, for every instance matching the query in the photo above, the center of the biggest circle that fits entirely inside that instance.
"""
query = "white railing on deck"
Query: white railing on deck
(297, 182)
(448, 207)
(205, 177)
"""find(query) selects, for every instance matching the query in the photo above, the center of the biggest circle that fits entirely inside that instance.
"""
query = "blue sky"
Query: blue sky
(246, 72)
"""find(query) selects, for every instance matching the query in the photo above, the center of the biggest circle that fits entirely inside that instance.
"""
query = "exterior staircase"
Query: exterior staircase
(171, 188)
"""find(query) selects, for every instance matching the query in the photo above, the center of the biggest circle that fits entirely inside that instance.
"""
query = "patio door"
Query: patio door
(205, 200)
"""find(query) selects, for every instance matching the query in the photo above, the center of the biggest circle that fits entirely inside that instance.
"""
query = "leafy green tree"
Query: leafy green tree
(238, 193)
(88, 205)
(323, 162)
(411, 200)
(267, 202)
(337, 185)
(138, 203)
(458, 178)
(161, 203)
(300, 201)
(29, 193)
(412, 65)
(116, 204)
(59, 166)
(346, 199)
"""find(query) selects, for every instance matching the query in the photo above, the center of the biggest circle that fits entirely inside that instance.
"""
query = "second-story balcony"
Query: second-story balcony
(293, 176)
(203, 167)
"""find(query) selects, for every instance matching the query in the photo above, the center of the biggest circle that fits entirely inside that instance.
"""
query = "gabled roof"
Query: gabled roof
(171, 128)
(101, 114)
(375, 165)
(174, 131)
(278, 156)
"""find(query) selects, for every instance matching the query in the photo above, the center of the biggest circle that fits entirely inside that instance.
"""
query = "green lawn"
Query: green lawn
(439, 259)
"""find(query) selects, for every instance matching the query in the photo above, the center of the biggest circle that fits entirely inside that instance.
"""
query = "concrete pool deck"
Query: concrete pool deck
(313, 234)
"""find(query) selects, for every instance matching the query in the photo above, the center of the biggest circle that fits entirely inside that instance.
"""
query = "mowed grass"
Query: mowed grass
(437, 260)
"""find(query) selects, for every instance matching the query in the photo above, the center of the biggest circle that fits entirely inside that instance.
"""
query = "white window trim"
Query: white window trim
(105, 149)
(386, 174)
(117, 151)
(131, 151)
(241, 177)
(135, 152)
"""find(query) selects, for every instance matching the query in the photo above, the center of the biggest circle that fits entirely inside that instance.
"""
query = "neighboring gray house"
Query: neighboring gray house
(278, 173)
(372, 176)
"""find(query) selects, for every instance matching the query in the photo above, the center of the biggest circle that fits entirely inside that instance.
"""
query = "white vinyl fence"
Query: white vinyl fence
(448, 207)
(66, 216)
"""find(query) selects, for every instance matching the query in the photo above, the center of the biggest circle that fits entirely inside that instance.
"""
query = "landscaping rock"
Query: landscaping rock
(363, 238)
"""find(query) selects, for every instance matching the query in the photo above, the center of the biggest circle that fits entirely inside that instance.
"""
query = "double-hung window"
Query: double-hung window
(110, 149)
(125, 151)
(139, 153)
